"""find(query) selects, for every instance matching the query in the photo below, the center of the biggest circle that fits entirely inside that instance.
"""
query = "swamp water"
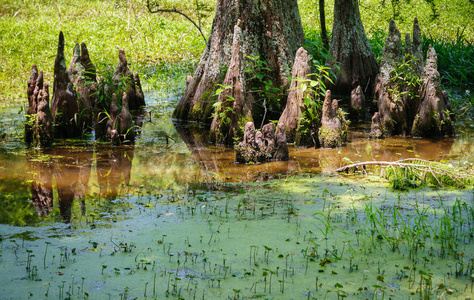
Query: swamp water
(175, 217)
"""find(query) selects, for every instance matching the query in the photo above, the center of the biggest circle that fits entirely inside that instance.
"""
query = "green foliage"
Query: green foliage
(405, 77)
(414, 173)
(455, 63)
(314, 88)
(258, 77)
(29, 36)
(223, 109)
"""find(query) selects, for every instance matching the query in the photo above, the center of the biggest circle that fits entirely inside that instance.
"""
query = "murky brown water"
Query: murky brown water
(169, 156)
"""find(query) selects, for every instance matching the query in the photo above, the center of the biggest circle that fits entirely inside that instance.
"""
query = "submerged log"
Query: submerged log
(262, 145)
(64, 105)
(334, 127)
(295, 102)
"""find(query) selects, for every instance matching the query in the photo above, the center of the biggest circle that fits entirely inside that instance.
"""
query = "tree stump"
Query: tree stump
(390, 107)
(262, 145)
(432, 118)
(357, 106)
(246, 150)
(39, 123)
(234, 108)
(126, 130)
(81, 80)
(295, 102)
(124, 77)
(64, 105)
(333, 131)
(43, 130)
(281, 144)
(407, 103)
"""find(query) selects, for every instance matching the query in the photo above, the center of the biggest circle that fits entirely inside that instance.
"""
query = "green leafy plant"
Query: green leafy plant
(314, 88)
(405, 80)
(223, 109)
(258, 77)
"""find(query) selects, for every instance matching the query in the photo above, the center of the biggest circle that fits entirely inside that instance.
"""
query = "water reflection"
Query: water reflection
(219, 162)
(74, 179)
(114, 168)
(70, 168)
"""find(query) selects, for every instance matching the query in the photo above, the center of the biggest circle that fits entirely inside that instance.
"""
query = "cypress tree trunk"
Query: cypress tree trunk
(269, 29)
(351, 49)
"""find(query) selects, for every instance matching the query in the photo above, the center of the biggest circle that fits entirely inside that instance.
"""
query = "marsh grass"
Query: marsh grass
(213, 244)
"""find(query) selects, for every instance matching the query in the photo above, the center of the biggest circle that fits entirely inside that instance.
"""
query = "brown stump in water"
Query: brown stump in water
(412, 105)
(295, 102)
(43, 131)
(123, 76)
(391, 111)
(113, 119)
(432, 118)
(281, 144)
(126, 130)
(64, 104)
(333, 131)
(233, 108)
(84, 86)
(357, 104)
(39, 124)
(262, 145)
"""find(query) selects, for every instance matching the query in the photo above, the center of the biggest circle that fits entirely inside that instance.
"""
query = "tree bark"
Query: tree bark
(351, 50)
(322, 20)
(270, 29)
(295, 102)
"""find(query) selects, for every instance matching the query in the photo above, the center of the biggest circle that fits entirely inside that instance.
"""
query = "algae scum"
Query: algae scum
(174, 217)
(289, 239)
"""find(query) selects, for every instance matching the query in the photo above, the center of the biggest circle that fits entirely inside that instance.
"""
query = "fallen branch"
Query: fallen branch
(413, 168)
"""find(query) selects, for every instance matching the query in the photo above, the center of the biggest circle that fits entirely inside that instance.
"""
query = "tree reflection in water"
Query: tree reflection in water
(70, 168)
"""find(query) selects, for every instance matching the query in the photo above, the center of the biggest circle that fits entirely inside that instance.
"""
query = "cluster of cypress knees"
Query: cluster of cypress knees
(82, 102)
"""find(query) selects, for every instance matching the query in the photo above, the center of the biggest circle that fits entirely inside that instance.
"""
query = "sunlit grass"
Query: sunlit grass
(29, 31)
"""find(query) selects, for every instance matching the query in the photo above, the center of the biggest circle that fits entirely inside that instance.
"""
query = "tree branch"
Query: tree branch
(413, 164)
(174, 10)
